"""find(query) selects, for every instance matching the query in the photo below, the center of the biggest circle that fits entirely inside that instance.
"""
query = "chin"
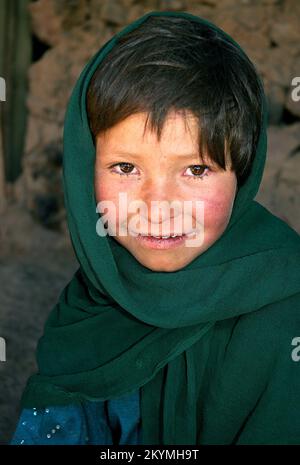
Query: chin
(161, 266)
(165, 269)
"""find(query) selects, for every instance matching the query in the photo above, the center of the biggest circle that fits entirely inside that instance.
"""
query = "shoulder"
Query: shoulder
(278, 317)
(271, 333)
(272, 226)
(257, 355)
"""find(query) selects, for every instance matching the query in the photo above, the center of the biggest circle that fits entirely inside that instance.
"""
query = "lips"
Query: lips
(160, 243)
(162, 237)
(166, 236)
(151, 242)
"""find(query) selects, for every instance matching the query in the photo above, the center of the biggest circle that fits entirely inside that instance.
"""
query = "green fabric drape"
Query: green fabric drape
(208, 345)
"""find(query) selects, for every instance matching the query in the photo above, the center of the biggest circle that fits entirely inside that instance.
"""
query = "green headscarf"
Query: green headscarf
(118, 326)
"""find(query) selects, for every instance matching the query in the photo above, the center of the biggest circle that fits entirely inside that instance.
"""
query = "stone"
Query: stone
(287, 192)
(45, 22)
(279, 190)
(278, 66)
(114, 12)
(51, 18)
(286, 30)
(173, 5)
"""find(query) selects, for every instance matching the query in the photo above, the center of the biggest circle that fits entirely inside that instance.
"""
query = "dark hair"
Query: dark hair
(172, 63)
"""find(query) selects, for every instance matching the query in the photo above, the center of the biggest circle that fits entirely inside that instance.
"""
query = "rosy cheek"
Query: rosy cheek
(108, 191)
(217, 210)
(103, 189)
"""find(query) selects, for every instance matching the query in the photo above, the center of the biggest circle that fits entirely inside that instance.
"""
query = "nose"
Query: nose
(159, 187)
(159, 194)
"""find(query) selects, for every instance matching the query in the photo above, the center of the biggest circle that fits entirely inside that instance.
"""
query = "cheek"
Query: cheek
(105, 189)
(218, 207)
(217, 213)
(108, 189)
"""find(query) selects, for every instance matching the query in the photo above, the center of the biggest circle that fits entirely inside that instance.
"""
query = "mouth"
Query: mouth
(162, 242)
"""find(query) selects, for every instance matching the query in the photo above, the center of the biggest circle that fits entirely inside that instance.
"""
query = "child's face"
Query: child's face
(161, 171)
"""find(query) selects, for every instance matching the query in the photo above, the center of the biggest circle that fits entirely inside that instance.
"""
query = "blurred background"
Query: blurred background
(44, 45)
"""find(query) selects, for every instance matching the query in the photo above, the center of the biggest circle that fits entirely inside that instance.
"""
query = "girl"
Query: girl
(158, 339)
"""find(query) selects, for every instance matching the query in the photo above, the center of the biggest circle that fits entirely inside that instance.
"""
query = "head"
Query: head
(174, 110)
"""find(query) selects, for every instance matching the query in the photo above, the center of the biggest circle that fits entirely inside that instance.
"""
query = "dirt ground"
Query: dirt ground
(35, 265)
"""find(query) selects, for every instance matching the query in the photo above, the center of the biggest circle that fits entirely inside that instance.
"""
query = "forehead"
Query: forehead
(179, 134)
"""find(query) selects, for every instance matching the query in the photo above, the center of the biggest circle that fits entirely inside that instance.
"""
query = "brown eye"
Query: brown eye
(122, 168)
(198, 171)
(126, 167)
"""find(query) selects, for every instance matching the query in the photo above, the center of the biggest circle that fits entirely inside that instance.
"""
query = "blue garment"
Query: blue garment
(115, 421)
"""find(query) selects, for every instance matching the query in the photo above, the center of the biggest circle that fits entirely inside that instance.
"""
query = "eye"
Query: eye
(126, 168)
(198, 171)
